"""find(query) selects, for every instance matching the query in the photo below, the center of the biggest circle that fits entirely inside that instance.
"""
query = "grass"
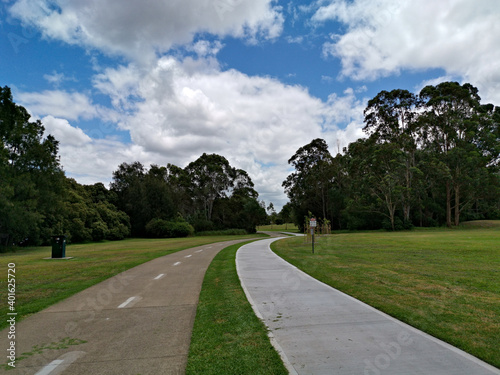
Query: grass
(227, 337)
(43, 282)
(278, 228)
(444, 282)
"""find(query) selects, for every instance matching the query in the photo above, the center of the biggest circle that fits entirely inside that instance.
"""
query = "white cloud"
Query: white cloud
(178, 109)
(64, 132)
(176, 112)
(181, 110)
(386, 36)
(71, 106)
(204, 48)
(139, 29)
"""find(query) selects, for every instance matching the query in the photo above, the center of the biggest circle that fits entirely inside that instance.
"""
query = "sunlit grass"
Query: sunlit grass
(279, 227)
(227, 337)
(444, 282)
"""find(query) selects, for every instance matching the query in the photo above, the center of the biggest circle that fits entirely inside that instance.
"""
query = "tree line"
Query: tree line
(428, 160)
(38, 201)
(208, 194)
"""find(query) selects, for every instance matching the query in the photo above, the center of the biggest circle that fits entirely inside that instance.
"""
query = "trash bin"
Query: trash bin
(58, 246)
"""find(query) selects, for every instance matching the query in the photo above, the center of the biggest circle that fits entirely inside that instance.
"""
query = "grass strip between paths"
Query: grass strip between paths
(227, 336)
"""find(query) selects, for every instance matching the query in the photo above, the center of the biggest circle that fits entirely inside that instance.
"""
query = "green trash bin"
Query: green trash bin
(59, 246)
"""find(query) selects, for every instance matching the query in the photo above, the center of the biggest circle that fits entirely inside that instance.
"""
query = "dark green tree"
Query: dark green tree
(451, 130)
(391, 117)
(307, 187)
(211, 177)
(30, 176)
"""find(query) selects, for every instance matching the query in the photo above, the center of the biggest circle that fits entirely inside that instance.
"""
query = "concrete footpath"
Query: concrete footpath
(138, 322)
(319, 330)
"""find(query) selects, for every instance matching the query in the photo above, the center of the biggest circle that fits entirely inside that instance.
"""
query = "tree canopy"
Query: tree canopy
(429, 159)
(208, 193)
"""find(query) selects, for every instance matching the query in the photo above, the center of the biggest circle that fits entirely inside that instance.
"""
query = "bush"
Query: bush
(398, 224)
(159, 228)
(118, 232)
(224, 232)
(180, 229)
(202, 225)
(99, 230)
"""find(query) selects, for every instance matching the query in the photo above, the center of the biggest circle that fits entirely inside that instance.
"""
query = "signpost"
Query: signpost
(312, 225)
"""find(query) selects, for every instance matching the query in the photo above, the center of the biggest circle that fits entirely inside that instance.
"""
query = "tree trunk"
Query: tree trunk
(407, 194)
(448, 204)
(457, 205)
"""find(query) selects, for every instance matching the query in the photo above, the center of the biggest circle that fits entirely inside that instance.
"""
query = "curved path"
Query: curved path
(319, 330)
(138, 322)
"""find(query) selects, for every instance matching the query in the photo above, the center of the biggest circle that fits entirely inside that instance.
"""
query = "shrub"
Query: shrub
(224, 232)
(99, 230)
(118, 232)
(202, 225)
(180, 229)
(159, 228)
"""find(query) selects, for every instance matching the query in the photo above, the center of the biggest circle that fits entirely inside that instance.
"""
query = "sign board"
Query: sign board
(312, 223)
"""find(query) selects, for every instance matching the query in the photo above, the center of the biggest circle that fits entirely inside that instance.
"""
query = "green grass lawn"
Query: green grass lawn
(227, 336)
(278, 228)
(43, 282)
(444, 282)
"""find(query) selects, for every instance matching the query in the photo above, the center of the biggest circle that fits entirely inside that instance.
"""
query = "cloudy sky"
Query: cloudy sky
(163, 81)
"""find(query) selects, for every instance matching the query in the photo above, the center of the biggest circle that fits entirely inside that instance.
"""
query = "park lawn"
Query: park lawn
(42, 282)
(441, 281)
(227, 337)
(278, 228)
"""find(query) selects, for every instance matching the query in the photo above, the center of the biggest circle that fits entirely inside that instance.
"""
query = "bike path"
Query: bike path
(320, 330)
(137, 322)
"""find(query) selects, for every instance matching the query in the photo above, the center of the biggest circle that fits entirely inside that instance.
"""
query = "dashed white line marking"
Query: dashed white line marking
(188, 256)
(176, 263)
(50, 367)
(198, 251)
(159, 276)
(58, 366)
(126, 302)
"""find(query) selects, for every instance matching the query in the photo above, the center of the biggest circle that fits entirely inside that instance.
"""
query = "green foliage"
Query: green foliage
(430, 159)
(36, 199)
(159, 228)
(209, 193)
(30, 176)
(223, 232)
(89, 216)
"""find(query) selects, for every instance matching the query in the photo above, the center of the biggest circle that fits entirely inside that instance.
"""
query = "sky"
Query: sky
(164, 81)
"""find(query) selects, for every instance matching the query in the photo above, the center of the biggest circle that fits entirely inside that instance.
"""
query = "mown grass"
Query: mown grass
(227, 337)
(43, 282)
(278, 227)
(444, 282)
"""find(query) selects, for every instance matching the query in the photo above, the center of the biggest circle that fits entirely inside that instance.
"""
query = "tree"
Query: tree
(307, 187)
(128, 184)
(449, 129)
(391, 117)
(271, 212)
(210, 177)
(30, 175)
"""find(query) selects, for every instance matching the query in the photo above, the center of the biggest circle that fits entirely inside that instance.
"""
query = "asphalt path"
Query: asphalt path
(138, 322)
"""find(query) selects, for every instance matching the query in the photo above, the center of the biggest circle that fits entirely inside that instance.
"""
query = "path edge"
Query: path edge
(272, 339)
